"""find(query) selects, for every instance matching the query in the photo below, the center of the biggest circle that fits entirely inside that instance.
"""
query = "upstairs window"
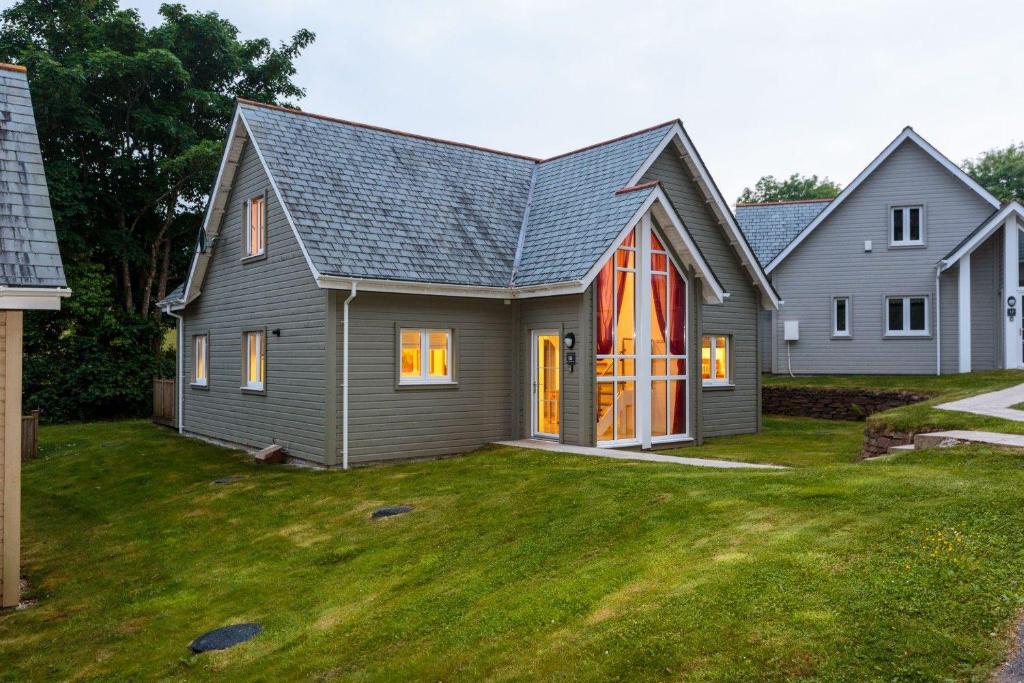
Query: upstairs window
(907, 226)
(256, 227)
(200, 358)
(841, 316)
(254, 361)
(906, 316)
(426, 356)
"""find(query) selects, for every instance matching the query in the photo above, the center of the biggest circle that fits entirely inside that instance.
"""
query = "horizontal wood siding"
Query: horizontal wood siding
(278, 292)
(832, 262)
(986, 304)
(387, 422)
(733, 410)
(563, 314)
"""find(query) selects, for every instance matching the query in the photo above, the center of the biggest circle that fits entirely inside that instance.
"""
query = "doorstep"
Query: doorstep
(554, 447)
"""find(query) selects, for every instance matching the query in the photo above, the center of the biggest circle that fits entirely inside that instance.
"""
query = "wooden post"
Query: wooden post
(10, 458)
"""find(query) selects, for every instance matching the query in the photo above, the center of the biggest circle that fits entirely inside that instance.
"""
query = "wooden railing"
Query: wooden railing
(165, 402)
(30, 435)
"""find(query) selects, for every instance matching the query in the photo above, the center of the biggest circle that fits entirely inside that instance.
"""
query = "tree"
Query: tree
(796, 186)
(131, 122)
(1000, 171)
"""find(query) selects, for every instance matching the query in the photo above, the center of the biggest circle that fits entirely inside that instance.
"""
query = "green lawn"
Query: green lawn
(516, 565)
(793, 441)
(923, 416)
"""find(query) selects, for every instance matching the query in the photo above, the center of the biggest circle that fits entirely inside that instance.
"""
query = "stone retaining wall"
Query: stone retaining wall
(832, 404)
(878, 438)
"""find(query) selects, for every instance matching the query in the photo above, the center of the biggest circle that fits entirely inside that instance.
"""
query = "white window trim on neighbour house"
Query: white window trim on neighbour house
(713, 379)
(200, 359)
(846, 330)
(260, 249)
(905, 238)
(424, 376)
(257, 381)
(906, 331)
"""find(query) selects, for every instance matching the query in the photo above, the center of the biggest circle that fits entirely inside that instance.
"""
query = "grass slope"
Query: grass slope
(514, 565)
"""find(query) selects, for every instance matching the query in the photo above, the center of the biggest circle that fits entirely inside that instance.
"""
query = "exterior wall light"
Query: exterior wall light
(569, 340)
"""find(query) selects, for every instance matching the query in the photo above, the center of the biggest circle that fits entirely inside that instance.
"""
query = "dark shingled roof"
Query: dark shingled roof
(29, 256)
(770, 227)
(380, 204)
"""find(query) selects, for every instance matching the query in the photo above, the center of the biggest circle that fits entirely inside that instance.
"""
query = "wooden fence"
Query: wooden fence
(30, 435)
(165, 402)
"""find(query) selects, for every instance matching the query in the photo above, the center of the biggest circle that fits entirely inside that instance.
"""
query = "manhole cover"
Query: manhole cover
(225, 637)
(228, 480)
(391, 511)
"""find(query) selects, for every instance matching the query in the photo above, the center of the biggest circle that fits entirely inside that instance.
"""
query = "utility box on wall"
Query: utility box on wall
(791, 330)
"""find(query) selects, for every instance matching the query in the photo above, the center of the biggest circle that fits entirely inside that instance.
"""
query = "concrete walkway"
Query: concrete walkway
(994, 404)
(933, 439)
(542, 445)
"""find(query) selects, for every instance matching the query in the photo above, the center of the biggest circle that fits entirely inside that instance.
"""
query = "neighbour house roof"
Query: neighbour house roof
(770, 226)
(380, 207)
(29, 255)
(993, 222)
(907, 135)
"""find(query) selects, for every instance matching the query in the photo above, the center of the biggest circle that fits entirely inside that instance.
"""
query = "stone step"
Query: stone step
(901, 449)
(954, 437)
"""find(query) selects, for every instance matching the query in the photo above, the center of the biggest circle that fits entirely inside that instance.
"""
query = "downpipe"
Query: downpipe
(344, 381)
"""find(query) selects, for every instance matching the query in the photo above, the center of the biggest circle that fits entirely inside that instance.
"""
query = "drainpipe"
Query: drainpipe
(938, 320)
(181, 366)
(344, 381)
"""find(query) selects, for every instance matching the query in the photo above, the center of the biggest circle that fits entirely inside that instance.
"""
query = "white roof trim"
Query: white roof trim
(907, 134)
(989, 227)
(718, 204)
(713, 292)
(32, 298)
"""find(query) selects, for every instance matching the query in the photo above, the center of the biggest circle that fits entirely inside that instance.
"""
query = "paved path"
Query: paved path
(994, 404)
(932, 439)
(541, 445)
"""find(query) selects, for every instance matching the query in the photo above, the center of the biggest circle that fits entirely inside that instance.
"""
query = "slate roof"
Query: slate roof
(380, 204)
(29, 256)
(770, 227)
(176, 296)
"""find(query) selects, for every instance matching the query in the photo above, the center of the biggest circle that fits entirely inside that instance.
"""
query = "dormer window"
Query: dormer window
(906, 226)
(256, 227)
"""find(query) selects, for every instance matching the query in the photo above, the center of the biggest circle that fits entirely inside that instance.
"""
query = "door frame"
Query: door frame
(534, 392)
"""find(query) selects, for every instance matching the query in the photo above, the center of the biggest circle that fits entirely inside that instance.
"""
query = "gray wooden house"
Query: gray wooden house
(361, 295)
(912, 269)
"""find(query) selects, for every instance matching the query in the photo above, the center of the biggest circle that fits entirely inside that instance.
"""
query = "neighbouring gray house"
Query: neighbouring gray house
(362, 295)
(912, 269)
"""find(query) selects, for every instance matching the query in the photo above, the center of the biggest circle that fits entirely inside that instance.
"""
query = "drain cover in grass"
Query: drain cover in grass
(228, 480)
(391, 511)
(225, 637)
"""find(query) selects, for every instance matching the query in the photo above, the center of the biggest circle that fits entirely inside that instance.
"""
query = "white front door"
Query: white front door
(546, 384)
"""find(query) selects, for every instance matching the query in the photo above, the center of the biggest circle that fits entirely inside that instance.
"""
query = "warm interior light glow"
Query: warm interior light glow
(548, 384)
(255, 365)
(438, 351)
(257, 226)
(411, 354)
(199, 375)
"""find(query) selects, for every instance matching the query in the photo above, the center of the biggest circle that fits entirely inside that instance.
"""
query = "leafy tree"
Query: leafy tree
(131, 123)
(1000, 171)
(796, 186)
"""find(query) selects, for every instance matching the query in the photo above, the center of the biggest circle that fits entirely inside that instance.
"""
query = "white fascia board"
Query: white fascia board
(32, 298)
(713, 292)
(436, 289)
(983, 234)
(907, 134)
(677, 134)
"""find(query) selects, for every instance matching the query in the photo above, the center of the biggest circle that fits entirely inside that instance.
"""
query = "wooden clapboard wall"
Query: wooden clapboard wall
(10, 457)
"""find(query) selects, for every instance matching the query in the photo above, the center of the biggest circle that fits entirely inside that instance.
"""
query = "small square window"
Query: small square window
(841, 316)
(906, 316)
(200, 359)
(425, 356)
(714, 359)
(254, 361)
(256, 227)
(906, 226)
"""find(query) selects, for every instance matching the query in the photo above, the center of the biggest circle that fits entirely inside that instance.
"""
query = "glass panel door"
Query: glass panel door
(547, 383)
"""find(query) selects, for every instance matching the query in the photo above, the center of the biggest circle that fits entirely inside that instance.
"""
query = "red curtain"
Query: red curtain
(677, 406)
(677, 319)
(605, 309)
(658, 297)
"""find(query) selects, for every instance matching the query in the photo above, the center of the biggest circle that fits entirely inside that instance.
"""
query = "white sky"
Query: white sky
(763, 86)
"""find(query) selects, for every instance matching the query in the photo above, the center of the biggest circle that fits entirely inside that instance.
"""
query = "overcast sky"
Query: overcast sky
(763, 87)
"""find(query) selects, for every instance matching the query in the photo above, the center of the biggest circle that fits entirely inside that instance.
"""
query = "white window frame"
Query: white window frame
(715, 381)
(205, 342)
(249, 253)
(905, 211)
(836, 332)
(261, 351)
(906, 331)
(424, 376)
